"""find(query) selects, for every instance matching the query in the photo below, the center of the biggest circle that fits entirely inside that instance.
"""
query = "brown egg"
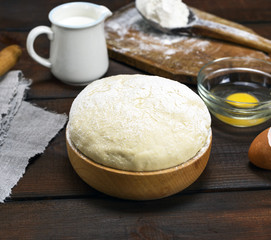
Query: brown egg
(260, 150)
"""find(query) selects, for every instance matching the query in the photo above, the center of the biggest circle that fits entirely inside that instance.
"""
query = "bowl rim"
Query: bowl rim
(190, 161)
(221, 99)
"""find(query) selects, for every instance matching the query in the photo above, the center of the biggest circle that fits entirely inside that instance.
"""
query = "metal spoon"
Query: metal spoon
(206, 28)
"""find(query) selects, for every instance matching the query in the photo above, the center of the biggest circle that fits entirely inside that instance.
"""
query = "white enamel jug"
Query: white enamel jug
(78, 52)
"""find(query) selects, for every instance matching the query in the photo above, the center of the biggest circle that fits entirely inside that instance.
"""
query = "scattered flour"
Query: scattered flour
(131, 21)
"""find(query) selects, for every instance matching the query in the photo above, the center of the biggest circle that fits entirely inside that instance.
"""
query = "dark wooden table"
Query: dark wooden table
(230, 200)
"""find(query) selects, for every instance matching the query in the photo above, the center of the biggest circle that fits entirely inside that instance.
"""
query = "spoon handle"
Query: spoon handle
(216, 30)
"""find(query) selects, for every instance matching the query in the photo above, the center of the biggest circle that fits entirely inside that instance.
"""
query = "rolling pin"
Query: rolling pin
(9, 57)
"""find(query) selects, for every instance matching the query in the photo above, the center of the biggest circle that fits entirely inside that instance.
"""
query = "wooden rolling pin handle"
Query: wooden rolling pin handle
(215, 30)
(9, 57)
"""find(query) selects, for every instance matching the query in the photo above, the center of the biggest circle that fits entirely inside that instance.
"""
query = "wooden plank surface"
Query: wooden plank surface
(239, 11)
(205, 216)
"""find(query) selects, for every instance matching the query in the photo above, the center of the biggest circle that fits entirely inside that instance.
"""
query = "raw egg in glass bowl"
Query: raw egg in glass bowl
(237, 90)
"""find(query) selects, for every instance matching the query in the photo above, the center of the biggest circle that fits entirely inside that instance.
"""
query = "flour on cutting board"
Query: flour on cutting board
(131, 21)
(132, 40)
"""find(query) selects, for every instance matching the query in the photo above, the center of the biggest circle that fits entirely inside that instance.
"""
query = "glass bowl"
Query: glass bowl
(237, 90)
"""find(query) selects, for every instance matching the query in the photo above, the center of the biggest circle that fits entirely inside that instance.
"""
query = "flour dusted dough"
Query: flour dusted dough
(138, 122)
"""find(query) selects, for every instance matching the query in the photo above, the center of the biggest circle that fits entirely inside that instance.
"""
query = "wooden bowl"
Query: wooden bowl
(138, 185)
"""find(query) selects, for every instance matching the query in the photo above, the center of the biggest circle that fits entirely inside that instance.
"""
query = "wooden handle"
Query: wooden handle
(216, 30)
(9, 57)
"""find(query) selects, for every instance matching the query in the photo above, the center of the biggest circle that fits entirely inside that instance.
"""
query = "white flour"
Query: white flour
(167, 13)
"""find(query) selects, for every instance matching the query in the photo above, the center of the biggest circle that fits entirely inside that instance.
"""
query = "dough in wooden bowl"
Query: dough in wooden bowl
(139, 122)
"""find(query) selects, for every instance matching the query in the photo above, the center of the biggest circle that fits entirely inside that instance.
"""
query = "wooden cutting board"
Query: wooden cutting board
(133, 41)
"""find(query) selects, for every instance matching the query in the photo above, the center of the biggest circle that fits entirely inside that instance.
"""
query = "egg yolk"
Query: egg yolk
(241, 100)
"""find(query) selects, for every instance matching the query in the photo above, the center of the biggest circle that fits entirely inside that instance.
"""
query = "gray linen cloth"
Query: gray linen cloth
(25, 130)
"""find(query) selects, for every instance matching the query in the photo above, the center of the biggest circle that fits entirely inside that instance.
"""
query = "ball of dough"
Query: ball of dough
(138, 122)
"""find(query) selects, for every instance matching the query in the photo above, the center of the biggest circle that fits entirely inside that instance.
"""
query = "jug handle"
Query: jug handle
(33, 34)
